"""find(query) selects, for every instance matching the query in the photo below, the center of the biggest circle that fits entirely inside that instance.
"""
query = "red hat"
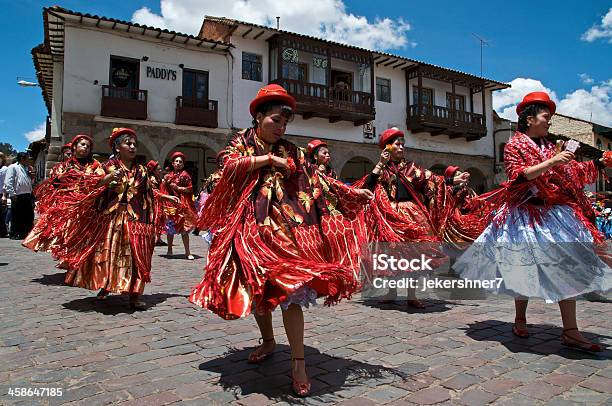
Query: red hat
(151, 165)
(177, 154)
(120, 131)
(68, 145)
(537, 98)
(388, 136)
(271, 92)
(450, 171)
(314, 144)
(76, 139)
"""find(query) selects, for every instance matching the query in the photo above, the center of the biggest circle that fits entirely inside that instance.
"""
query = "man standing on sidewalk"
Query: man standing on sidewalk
(3, 169)
(18, 188)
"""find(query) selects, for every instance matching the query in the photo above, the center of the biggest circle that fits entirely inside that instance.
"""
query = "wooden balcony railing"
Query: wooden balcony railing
(202, 113)
(324, 101)
(437, 118)
(124, 102)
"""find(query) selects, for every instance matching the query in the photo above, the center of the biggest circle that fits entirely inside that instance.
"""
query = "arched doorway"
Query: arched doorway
(478, 181)
(356, 168)
(200, 161)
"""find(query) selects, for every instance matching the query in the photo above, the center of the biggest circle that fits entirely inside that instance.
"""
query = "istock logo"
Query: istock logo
(384, 262)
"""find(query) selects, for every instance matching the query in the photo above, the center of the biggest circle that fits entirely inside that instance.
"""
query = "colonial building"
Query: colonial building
(185, 92)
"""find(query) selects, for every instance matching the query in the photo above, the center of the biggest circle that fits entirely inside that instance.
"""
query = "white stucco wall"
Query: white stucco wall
(87, 58)
(391, 114)
(245, 90)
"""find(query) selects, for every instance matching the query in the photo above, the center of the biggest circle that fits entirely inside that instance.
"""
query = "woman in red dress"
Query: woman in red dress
(542, 240)
(49, 193)
(109, 225)
(181, 220)
(269, 248)
(319, 157)
(410, 204)
(66, 152)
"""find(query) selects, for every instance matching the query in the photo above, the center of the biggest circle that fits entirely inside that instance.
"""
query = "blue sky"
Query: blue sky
(527, 40)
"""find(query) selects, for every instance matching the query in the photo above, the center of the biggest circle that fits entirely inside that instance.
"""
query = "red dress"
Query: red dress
(271, 233)
(50, 193)
(108, 232)
(181, 217)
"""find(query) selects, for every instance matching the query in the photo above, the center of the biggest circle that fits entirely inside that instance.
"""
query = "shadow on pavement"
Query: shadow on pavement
(51, 279)
(115, 304)
(543, 339)
(327, 374)
(431, 306)
(180, 256)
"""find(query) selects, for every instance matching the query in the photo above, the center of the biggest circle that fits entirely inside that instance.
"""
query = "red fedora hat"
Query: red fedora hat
(388, 136)
(314, 144)
(78, 137)
(269, 93)
(537, 98)
(120, 131)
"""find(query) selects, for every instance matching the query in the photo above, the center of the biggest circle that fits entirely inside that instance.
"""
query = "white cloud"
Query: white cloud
(36, 134)
(586, 79)
(327, 19)
(594, 104)
(603, 30)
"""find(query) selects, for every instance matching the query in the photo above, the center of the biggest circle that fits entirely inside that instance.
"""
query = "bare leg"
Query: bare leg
(170, 241)
(520, 309)
(412, 300)
(571, 336)
(185, 237)
(293, 320)
(390, 296)
(264, 322)
(520, 318)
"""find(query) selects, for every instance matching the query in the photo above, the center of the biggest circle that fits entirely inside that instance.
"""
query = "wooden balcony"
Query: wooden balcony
(196, 112)
(441, 120)
(124, 103)
(315, 100)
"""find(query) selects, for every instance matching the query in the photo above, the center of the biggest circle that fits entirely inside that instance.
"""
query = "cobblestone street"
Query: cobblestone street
(358, 353)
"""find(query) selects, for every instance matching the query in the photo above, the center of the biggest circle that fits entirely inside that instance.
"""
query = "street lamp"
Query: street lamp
(26, 83)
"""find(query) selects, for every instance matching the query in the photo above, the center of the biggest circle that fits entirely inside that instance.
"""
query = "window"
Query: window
(195, 88)
(427, 96)
(251, 66)
(383, 90)
(123, 77)
(295, 71)
(459, 101)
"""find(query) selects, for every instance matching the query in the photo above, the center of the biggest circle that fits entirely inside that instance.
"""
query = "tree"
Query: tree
(7, 149)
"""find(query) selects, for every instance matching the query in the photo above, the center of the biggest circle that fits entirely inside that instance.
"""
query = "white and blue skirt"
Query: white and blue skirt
(553, 259)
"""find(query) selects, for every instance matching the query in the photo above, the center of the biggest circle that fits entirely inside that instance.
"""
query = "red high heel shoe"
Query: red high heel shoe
(300, 389)
(520, 332)
(258, 358)
(586, 346)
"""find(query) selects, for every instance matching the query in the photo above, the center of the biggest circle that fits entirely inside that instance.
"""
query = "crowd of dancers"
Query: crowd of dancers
(284, 231)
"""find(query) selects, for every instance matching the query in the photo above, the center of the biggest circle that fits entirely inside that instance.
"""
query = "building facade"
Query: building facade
(190, 93)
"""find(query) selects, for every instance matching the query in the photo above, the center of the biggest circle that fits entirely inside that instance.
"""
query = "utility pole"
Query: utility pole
(483, 43)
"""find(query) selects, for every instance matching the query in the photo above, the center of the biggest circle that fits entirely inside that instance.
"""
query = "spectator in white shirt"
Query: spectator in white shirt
(18, 188)
(3, 168)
